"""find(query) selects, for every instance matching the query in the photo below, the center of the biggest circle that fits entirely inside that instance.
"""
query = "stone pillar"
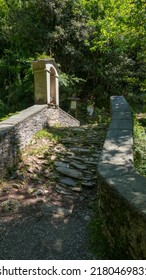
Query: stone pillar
(46, 82)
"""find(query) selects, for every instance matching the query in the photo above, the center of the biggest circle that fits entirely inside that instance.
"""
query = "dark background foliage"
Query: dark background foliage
(99, 47)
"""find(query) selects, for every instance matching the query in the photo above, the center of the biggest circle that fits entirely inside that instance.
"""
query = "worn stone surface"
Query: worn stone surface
(63, 190)
(122, 189)
(17, 131)
(49, 212)
(80, 150)
(61, 118)
(68, 181)
(122, 124)
(61, 164)
(70, 172)
(56, 210)
(78, 166)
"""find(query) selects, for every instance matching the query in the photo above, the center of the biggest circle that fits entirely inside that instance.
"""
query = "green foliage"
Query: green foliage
(16, 83)
(6, 116)
(117, 46)
(2, 108)
(98, 238)
(46, 134)
(140, 144)
(69, 85)
(99, 45)
(98, 243)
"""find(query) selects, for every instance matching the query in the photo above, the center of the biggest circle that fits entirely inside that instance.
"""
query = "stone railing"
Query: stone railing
(17, 131)
(122, 191)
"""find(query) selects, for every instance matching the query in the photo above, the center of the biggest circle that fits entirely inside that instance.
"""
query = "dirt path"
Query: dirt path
(46, 203)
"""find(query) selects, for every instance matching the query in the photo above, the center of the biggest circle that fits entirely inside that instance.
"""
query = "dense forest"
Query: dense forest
(99, 46)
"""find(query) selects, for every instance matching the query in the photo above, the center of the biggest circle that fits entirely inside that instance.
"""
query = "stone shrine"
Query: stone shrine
(46, 82)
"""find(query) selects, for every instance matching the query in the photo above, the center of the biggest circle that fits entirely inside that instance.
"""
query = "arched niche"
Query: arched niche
(46, 82)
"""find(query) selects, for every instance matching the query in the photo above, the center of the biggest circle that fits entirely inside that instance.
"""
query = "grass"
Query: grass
(8, 116)
(53, 134)
(45, 133)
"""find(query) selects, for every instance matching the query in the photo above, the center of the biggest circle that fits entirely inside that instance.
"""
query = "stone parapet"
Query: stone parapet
(17, 131)
(122, 188)
(61, 118)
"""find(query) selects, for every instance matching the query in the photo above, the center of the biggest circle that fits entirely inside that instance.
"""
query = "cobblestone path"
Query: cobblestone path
(46, 203)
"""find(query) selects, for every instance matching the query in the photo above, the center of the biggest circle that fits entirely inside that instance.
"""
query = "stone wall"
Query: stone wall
(61, 118)
(122, 189)
(17, 131)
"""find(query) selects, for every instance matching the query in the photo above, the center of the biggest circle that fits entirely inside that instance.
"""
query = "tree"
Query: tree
(118, 45)
(98, 45)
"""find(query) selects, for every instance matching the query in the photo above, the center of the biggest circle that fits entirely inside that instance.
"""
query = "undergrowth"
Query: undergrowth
(8, 116)
(97, 241)
(139, 147)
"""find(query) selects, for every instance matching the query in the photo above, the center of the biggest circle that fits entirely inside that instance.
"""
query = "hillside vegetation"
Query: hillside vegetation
(99, 46)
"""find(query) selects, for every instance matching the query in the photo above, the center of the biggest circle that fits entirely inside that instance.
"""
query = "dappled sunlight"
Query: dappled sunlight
(116, 163)
(41, 202)
(139, 198)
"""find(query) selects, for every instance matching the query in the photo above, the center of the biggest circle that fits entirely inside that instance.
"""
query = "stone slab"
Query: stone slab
(62, 190)
(122, 137)
(119, 103)
(24, 114)
(121, 116)
(109, 170)
(117, 154)
(132, 187)
(68, 181)
(70, 172)
(121, 124)
(78, 165)
(61, 164)
(80, 150)
(117, 158)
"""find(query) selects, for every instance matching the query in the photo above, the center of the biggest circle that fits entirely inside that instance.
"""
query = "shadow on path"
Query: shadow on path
(40, 216)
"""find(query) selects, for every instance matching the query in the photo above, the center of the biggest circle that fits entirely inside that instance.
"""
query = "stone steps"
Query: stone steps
(66, 169)
(80, 168)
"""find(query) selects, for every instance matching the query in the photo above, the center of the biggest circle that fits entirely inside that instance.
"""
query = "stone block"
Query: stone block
(121, 124)
(121, 115)
(121, 137)
(119, 104)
